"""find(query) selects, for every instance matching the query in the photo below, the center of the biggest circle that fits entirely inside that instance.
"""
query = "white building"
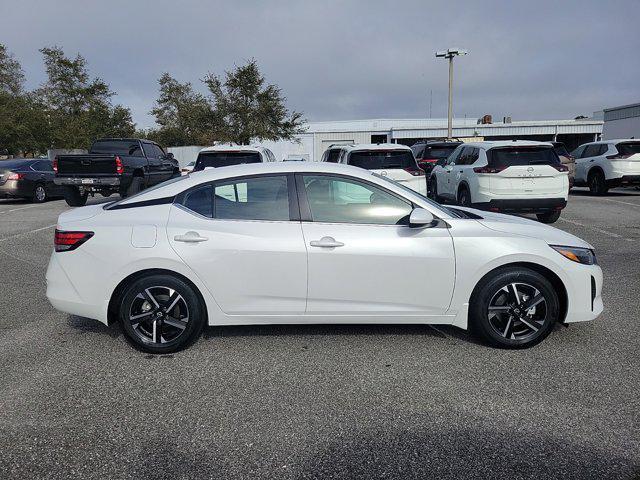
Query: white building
(622, 122)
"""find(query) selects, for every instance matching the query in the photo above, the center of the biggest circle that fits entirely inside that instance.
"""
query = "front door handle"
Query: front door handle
(326, 242)
(190, 237)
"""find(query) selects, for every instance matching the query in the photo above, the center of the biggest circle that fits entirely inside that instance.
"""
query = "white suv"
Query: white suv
(227, 155)
(390, 160)
(509, 177)
(607, 164)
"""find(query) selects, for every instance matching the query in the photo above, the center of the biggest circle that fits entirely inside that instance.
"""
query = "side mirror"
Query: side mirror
(170, 155)
(420, 218)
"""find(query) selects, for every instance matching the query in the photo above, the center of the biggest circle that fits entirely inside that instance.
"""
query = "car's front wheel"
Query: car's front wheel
(161, 313)
(514, 308)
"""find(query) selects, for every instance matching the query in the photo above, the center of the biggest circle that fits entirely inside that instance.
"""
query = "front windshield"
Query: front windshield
(449, 211)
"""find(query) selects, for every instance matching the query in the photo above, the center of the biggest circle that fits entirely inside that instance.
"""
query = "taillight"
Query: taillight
(55, 164)
(560, 167)
(119, 166)
(15, 176)
(488, 169)
(428, 160)
(618, 157)
(415, 171)
(65, 241)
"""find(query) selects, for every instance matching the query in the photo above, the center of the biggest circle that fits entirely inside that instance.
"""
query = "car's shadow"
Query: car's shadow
(611, 193)
(84, 325)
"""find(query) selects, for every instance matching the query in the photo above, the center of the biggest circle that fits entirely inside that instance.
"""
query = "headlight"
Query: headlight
(585, 256)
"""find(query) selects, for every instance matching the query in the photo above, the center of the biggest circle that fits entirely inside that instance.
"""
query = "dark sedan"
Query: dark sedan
(28, 178)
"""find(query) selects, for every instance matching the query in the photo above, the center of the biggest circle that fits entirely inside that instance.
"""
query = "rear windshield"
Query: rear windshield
(225, 159)
(561, 150)
(381, 159)
(514, 156)
(628, 148)
(113, 147)
(439, 152)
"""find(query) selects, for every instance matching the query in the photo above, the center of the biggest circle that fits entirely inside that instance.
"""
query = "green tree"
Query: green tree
(248, 109)
(79, 108)
(23, 125)
(184, 117)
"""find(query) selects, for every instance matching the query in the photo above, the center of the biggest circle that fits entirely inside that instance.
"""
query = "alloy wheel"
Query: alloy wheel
(517, 311)
(158, 315)
(40, 193)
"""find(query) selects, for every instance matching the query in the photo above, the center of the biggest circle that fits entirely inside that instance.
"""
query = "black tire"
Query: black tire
(188, 312)
(550, 217)
(597, 183)
(464, 197)
(74, 198)
(40, 194)
(433, 190)
(496, 317)
(136, 186)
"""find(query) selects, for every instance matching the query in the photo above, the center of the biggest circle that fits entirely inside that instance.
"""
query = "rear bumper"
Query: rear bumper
(523, 205)
(15, 188)
(88, 182)
(625, 180)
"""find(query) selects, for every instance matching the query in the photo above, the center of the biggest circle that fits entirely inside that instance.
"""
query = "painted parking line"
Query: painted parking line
(624, 203)
(16, 209)
(596, 229)
(26, 233)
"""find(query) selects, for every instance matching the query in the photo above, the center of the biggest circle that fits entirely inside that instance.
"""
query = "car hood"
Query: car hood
(526, 227)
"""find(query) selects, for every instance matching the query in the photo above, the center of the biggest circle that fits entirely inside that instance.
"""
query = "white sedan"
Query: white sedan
(303, 242)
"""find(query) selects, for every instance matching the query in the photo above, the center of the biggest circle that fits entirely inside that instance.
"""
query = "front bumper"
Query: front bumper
(523, 205)
(584, 293)
(88, 182)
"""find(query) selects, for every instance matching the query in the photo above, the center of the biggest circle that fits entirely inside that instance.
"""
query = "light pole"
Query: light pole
(450, 53)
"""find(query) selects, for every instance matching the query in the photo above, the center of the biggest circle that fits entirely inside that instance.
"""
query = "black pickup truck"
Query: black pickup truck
(113, 165)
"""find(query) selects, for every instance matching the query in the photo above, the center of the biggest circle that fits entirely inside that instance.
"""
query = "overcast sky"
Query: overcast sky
(350, 60)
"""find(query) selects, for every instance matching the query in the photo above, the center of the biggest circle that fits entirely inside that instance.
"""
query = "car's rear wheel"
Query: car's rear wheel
(136, 186)
(74, 198)
(514, 308)
(161, 313)
(549, 217)
(597, 183)
(464, 197)
(433, 190)
(39, 193)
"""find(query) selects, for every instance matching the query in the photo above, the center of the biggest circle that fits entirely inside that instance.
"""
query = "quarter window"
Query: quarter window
(338, 200)
(591, 151)
(200, 201)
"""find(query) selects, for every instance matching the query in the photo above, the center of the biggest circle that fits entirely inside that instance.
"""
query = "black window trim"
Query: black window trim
(294, 210)
(305, 209)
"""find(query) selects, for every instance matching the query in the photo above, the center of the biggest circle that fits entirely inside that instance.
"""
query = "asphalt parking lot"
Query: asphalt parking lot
(76, 400)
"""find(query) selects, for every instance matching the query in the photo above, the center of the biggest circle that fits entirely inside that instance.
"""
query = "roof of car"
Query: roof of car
(437, 143)
(234, 148)
(506, 143)
(376, 146)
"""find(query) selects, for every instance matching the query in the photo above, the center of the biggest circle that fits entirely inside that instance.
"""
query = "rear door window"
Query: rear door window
(257, 198)
(518, 156)
(333, 155)
(225, 159)
(592, 151)
(382, 159)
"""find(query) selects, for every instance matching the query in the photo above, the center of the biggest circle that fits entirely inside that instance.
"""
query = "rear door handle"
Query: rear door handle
(326, 242)
(190, 237)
